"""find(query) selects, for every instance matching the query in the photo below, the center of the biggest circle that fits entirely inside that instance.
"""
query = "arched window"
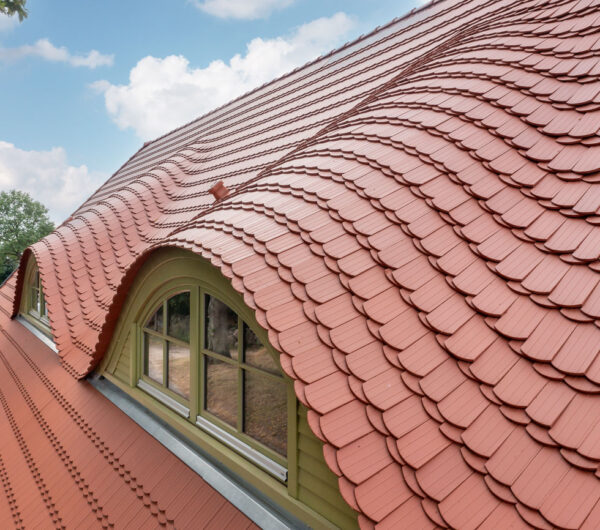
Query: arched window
(33, 301)
(198, 354)
(189, 349)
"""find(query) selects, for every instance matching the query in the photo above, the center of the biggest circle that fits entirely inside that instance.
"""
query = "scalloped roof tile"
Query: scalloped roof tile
(415, 219)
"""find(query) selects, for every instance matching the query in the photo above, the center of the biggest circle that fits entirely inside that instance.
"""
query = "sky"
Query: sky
(85, 83)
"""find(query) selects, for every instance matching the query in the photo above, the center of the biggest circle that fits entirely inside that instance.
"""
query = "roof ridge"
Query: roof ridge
(346, 45)
(340, 118)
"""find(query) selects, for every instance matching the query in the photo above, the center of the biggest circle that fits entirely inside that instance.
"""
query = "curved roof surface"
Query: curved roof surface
(413, 217)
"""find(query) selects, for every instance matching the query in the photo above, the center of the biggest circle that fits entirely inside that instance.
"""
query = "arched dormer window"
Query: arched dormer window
(189, 350)
(198, 353)
(33, 302)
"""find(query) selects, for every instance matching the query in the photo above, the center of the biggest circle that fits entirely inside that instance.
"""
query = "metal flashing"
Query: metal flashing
(248, 452)
(164, 399)
(43, 337)
(244, 500)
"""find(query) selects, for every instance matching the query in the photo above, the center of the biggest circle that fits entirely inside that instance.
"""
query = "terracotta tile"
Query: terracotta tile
(579, 350)
(345, 424)
(463, 404)
(472, 513)
(379, 495)
(574, 287)
(422, 356)
(444, 473)
(504, 516)
(442, 380)
(367, 254)
(328, 393)
(471, 339)
(409, 513)
(422, 444)
(353, 464)
(385, 306)
(550, 403)
(540, 477)
(520, 319)
(576, 421)
(513, 455)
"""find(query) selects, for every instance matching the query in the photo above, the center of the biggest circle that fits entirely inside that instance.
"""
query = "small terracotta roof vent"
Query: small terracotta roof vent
(219, 190)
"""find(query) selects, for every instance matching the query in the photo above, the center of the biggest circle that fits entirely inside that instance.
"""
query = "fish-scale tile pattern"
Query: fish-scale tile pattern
(414, 219)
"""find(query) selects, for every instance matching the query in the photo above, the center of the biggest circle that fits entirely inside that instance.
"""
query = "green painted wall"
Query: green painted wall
(311, 487)
(317, 485)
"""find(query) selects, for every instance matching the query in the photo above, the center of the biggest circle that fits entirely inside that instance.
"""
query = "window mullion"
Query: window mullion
(201, 368)
(240, 345)
(195, 336)
(165, 347)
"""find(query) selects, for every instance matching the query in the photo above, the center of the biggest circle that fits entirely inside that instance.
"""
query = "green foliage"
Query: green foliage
(23, 221)
(11, 7)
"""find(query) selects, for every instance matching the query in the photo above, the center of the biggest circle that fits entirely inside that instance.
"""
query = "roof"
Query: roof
(414, 219)
(70, 459)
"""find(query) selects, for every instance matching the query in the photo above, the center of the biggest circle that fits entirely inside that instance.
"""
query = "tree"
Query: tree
(11, 7)
(23, 221)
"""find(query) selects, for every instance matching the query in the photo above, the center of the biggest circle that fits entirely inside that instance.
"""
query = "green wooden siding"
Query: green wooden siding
(312, 492)
(123, 366)
(317, 484)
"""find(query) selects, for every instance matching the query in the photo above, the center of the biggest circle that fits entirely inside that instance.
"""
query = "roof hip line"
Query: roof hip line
(410, 67)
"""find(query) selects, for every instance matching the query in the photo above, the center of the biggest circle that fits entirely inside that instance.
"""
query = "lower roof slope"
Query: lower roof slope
(70, 459)
(427, 264)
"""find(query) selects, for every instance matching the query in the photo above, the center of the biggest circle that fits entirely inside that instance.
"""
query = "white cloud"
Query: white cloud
(8, 23)
(165, 93)
(46, 50)
(48, 178)
(247, 9)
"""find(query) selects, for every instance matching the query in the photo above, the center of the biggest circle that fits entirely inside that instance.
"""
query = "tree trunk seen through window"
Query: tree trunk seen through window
(221, 328)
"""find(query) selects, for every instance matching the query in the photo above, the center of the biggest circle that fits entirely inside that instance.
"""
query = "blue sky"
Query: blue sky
(84, 83)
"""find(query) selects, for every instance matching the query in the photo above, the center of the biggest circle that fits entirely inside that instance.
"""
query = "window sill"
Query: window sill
(174, 405)
(256, 457)
(38, 329)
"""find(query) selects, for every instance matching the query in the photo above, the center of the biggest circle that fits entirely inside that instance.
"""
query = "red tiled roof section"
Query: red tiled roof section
(413, 219)
(70, 459)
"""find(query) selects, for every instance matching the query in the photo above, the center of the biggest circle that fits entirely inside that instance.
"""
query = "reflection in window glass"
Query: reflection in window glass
(265, 410)
(154, 358)
(179, 369)
(221, 328)
(155, 322)
(256, 354)
(178, 314)
(35, 299)
(221, 390)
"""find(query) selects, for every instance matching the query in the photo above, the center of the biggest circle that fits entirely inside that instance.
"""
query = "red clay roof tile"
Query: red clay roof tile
(414, 218)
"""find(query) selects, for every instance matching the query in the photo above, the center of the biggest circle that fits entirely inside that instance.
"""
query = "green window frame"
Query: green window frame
(311, 492)
(33, 301)
(230, 390)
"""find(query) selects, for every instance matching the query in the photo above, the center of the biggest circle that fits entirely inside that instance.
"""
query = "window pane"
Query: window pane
(221, 328)
(155, 322)
(178, 313)
(153, 358)
(221, 390)
(35, 299)
(179, 369)
(256, 354)
(265, 411)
